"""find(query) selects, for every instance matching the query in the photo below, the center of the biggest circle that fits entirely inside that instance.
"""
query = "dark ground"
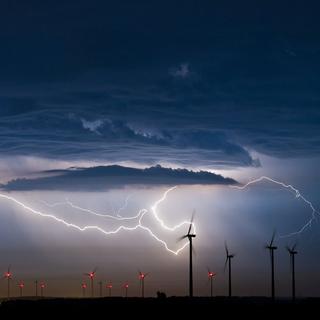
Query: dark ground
(164, 307)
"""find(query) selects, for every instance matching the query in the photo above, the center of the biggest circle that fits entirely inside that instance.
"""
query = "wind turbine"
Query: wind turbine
(211, 275)
(42, 286)
(36, 287)
(190, 235)
(142, 276)
(21, 286)
(8, 276)
(292, 251)
(109, 287)
(91, 275)
(126, 287)
(84, 287)
(271, 249)
(100, 289)
(228, 262)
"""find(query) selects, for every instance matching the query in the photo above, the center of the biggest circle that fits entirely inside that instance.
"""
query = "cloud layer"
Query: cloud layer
(220, 87)
(107, 177)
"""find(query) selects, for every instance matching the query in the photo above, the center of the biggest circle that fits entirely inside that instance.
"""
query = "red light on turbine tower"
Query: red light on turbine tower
(142, 275)
(126, 286)
(91, 275)
(84, 286)
(211, 274)
(21, 286)
(42, 285)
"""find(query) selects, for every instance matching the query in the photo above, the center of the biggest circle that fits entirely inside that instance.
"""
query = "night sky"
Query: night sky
(105, 105)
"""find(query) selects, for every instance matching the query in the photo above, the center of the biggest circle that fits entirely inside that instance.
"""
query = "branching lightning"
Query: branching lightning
(163, 225)
(141, 214)
(297, 194)
(89, 211)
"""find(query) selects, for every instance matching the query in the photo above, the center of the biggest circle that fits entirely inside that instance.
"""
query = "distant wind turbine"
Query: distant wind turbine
(229, 257)
(100, 289)
(142, 277)
(8, 276)
(42, 286)
(84, 287)
(271, 249)
(91, 275)
(109, 287)
(36, 287)
(211, 275)
(21, 286)
(126, 287)
(292, 251)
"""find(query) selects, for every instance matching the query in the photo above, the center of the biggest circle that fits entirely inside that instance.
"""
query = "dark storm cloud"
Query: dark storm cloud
(149, 81)
(70, 133)
(105, 177)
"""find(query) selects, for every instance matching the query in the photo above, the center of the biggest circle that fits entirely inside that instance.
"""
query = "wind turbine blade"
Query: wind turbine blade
(191, 221)
(294, 246)
(181, 238)
(226, 248)
(272, 239)
(288, 249)
(95, 270)
(225, 264)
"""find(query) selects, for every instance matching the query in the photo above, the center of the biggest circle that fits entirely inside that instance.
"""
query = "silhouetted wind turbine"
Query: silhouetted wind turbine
(100, 289)
(8, 276)
(36, 287)
(271, 249)
(84, 287)
(292, 251)
(126, 287)
(21, 286)
(91, 275)
(190, 235)
(109, 287)
(42, 286)
(211, 275)
(142, 277)
(228, 262)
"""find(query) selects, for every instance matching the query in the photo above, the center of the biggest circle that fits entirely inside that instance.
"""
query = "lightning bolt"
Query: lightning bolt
(154, 212)
(124, 206)
(141, 214)
(154, 209)
(163, 225)
(102, 215)
(297, 194)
